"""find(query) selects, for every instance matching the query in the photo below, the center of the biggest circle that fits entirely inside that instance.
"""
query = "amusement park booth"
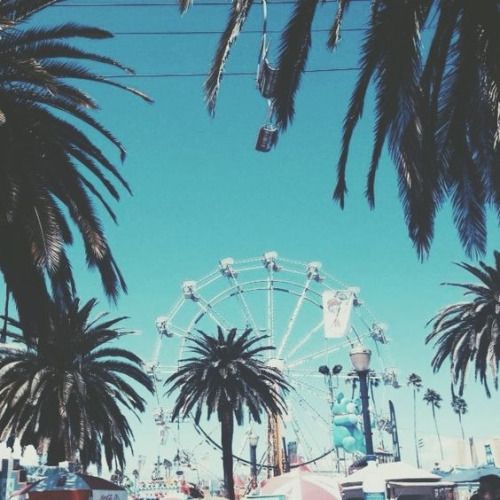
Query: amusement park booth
(401, 481)
(72, 486)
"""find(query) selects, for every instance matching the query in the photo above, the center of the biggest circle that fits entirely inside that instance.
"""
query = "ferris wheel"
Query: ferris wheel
(312, 320)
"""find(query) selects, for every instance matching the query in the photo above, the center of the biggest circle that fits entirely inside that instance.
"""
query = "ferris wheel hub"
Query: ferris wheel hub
(277, 363)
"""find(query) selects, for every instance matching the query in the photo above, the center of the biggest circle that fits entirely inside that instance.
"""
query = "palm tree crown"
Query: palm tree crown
(459, 405)
(414, 381)
(435, 107)
(227, 373)
(433, 398)
(469, 332)
(65, 392)
(225, 376)
(51, 172)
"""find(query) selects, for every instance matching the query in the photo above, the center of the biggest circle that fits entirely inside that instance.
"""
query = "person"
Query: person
(489, 488)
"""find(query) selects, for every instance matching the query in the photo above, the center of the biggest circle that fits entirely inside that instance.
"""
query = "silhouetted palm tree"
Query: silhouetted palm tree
(435, 106)
(226, 375)
(66, 391)
(415, 382)
(468, 332)
(51, 172)
(459, 406)
(434, 399)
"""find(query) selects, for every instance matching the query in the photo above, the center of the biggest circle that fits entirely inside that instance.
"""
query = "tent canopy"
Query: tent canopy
(469, 475)
(299, 485)
(392, 471)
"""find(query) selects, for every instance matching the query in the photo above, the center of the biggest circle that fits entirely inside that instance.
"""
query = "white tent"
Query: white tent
(400, 479)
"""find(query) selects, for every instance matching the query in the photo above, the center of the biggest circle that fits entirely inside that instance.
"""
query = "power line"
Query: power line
(215, 32)
(176, 5)
(230, 73)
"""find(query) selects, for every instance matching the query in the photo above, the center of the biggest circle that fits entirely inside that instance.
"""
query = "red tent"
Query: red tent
(72, 486)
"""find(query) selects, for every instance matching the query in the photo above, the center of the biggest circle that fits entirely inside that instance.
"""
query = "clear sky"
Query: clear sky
(201, 191)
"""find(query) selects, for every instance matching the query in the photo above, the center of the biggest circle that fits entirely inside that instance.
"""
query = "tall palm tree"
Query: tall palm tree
(434, 399)
(435, 107)
(459, 406)
(51, 172)
(415, 382)
(468, 332)
(226, 375)
(66, 391)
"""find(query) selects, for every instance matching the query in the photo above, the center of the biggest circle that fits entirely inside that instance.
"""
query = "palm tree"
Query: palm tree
(435, 107)
(51, 172)
(434, 399)
(226, 375)
(415, 382)
(468, 332)
(459, 406)
(66, 392)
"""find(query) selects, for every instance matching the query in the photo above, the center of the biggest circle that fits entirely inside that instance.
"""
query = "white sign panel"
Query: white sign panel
(109, 495)
(337, 307)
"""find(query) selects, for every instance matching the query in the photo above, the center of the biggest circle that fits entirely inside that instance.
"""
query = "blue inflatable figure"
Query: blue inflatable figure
(347, 433)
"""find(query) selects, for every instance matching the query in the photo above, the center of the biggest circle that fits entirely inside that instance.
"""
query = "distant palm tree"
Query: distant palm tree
(434, 399)
(66, 392)
(459, 406)
(435, 105)
(415, 382)
(226, 375)
(468, 332)
(51, 172)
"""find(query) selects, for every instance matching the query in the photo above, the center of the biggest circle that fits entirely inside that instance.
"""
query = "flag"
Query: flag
(337, 307)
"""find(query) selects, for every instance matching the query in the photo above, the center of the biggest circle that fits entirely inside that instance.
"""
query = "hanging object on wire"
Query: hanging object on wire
(267, 138)
(267, 76)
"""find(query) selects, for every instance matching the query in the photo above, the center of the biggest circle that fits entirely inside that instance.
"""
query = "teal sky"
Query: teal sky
(201, 191)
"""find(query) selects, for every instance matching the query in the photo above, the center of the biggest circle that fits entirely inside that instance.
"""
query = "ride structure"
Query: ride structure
(312, 321)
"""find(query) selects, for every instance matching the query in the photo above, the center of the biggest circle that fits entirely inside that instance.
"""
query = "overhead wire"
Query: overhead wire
(173, 4)
(229, 73)
(218, 32)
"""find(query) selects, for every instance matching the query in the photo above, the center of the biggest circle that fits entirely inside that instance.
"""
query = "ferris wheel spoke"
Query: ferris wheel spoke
(311, 409)
(228, 271)
(328, 350)
(270, 306)
(310, 387)
(306, 338)
(318, 354)
(293, 316)
(215, 316)
(309, 445)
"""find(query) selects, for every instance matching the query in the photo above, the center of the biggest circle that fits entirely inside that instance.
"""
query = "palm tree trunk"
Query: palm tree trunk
(55, 452)
(227, 425)
(415, 426)
(3, 337)
(437, 433)
(461, 425)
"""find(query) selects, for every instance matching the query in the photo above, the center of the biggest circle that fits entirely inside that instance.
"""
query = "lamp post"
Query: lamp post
(253, 440)
(324, 370)
(360, 359)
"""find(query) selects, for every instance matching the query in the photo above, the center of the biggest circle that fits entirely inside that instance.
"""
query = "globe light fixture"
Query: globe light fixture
(360, 358)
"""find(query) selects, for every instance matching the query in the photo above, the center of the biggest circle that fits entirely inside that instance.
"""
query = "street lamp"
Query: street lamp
(360, 359)
(324, 370)
(253, 439)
